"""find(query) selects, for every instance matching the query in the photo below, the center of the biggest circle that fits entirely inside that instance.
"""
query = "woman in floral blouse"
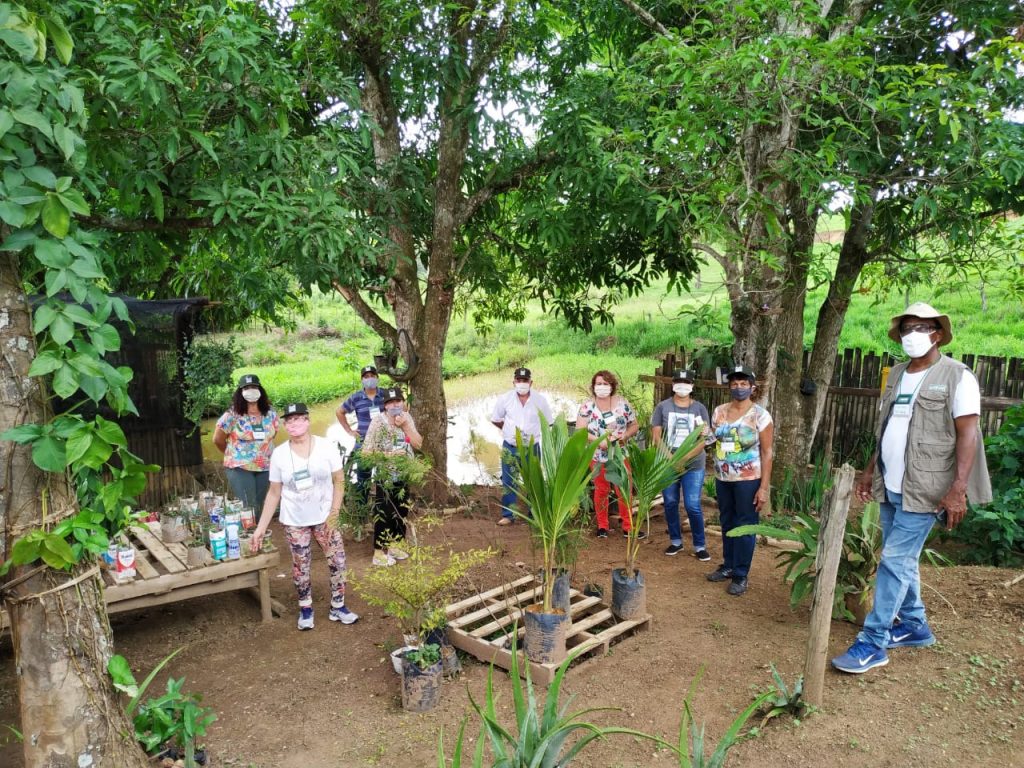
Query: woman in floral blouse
(607, 417)
(245, 435)
(391, 433)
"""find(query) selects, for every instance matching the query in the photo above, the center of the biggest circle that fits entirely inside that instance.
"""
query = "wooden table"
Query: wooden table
(163, 575)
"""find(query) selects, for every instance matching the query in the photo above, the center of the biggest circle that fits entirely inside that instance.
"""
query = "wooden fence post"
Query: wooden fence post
(830, 547)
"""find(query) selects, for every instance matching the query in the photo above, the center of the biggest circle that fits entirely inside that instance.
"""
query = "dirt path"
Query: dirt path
(329, 698)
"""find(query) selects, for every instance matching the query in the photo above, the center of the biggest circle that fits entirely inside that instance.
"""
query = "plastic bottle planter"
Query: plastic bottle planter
(545, 635)
(421, 688)
(197, 556)
(173, 528)
(629, 596)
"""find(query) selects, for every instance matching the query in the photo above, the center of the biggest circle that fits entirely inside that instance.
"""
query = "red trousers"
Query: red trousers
(602, 489)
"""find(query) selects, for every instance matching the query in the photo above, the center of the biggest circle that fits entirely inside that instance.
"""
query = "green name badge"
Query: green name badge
(902, 406)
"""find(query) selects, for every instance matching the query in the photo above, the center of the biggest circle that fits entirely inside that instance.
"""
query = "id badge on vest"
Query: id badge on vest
(302, 479)
(374, 412)
(903, 406)
(259, 434)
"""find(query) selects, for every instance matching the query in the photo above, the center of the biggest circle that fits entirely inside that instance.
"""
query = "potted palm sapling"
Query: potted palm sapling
(551, 484)
(641, 474)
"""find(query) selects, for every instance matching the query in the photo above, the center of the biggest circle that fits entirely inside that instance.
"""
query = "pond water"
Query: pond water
(474, 444)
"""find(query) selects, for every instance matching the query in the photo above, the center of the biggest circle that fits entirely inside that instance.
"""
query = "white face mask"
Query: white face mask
(522, 387)
(251, 395)
(682, 389)
(602, 390)
(917, 344)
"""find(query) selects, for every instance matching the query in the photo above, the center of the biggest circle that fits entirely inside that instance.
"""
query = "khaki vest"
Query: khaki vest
(931, 441)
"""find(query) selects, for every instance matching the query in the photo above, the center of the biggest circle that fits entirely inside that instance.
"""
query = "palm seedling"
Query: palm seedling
(551, 484)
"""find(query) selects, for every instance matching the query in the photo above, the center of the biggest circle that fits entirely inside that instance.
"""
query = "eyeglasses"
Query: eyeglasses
(917, 328)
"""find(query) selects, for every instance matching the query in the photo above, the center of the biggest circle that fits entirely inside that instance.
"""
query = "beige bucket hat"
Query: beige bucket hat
(925, 312)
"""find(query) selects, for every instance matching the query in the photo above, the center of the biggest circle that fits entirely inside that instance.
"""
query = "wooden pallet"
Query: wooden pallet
(482, 626)
(163, 575)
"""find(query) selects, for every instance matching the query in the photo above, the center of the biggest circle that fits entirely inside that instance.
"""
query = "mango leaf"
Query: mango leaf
(66, 140)
(74, 202)
(121, 675)
(62, 329)
(56, 218)
(44, 363)
(41, 175)
(62, 42)
(106, 339)
(48, 454)
(58, 546)
(12, 214)
(65, 382)
(78, 445)
(43, 316)
(51, 253)
(111, 432)
(26, 433)
(80, 315)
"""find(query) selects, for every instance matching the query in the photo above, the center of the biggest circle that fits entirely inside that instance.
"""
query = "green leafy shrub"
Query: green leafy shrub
(425, 656)
(862, 548)
(175, 718)
(209, 375)
(994, 533)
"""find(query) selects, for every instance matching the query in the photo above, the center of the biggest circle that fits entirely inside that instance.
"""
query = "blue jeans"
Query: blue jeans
(250, 487)
(509, 473)
(736, 508)
(898, 583)
(691, 484)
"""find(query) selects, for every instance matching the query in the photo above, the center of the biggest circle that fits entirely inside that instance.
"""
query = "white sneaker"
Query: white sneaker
(344, 615)
(305, 617)
(383, 560)
(397, 554)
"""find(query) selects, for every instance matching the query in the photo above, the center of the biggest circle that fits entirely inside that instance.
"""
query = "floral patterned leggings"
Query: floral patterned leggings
(300, 541)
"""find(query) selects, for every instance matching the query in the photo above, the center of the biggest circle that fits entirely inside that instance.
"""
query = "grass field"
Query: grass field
(320, 359)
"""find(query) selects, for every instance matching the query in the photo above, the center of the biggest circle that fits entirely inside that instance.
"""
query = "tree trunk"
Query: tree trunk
(70, 715)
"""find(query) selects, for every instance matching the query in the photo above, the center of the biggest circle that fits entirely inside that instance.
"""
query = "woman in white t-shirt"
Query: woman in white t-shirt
(306, 477)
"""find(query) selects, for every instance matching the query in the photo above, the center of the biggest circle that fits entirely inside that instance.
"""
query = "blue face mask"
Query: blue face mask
(741, 393)
(394, 410)
(370, 383)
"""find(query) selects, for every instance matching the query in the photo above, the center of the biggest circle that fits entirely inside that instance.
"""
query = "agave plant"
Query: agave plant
(551, 484)
(691, 749)
(641, 474)
(540, 734)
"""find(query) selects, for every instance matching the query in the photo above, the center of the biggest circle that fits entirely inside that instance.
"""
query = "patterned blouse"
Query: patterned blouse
(738, 446)
(381, 437)
(250, 440)
(614, 421)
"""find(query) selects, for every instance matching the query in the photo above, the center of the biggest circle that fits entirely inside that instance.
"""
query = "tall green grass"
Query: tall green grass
(320, 359)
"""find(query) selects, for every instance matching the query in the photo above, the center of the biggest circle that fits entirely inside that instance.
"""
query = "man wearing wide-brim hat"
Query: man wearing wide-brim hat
(930, 459)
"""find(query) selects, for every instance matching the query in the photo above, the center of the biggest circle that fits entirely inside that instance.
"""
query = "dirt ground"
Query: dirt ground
(329, 698)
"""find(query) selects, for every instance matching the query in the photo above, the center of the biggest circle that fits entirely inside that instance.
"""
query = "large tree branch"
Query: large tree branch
(177, 224)
(733, 278)
(495, 187)
(910, 234)
(367, 314)
(646, 18)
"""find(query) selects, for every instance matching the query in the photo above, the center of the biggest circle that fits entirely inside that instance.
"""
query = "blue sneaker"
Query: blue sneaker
(305, 617)
(343, 614)
(907, 635)
(860, 658)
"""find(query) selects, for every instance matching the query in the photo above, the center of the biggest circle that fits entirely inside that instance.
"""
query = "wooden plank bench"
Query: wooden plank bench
(481, 626)
(163, 576)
